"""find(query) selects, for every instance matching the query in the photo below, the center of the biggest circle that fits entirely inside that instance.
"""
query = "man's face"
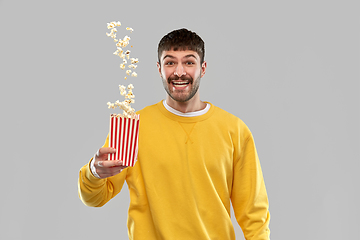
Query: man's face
(181, 72)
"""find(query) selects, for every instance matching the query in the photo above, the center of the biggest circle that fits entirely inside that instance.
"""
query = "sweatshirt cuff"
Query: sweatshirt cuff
(93, 169)
(89, 176)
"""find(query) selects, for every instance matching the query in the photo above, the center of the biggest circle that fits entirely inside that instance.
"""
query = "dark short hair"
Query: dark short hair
(182, 39)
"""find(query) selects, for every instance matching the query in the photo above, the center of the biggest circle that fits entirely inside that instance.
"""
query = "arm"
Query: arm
(249, 197)
(94, 191)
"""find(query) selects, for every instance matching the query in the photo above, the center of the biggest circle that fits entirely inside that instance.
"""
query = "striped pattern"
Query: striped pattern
(123, 136)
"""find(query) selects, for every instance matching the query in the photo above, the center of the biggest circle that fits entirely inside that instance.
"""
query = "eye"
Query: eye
(190, 63)
(169, 63)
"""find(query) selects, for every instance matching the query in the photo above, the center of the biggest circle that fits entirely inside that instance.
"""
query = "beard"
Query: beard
(182, 95)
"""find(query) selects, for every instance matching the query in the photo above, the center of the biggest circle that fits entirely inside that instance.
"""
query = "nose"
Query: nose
(179, 71)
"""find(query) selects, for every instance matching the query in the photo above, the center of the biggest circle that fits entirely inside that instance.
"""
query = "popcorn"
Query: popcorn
(126, 39)
(111, 105)
(134, 60)
(122, 89)
(130, 96)
(118, 51)
(124, 42)
(125, 105)
(124, 54)
(112, 33)
(127, 53)
(113, 24)
(110, 25)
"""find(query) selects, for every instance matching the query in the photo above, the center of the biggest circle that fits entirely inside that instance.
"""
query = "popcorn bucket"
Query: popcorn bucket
(123, 136)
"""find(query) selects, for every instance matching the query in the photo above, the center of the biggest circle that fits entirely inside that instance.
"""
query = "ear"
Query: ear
(203, 68)
(159, 67)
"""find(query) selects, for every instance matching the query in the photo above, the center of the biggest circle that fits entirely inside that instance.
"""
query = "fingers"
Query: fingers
(108, 168)
(109, 164)
(103, 152)
(109, 172)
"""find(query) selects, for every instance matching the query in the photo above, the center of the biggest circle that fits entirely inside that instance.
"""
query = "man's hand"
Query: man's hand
(107, 168)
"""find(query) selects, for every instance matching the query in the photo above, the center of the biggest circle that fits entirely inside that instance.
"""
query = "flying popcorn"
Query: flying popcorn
(124, 54)
(132, 66)
(134, 60)
(113, 24)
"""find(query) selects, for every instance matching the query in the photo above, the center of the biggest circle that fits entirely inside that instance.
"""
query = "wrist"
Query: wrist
(93, 169)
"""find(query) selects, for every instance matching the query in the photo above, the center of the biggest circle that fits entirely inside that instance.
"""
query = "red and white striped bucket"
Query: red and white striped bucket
(123, 136)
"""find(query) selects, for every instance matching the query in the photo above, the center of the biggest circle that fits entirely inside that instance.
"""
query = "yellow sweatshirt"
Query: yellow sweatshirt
(188, 171)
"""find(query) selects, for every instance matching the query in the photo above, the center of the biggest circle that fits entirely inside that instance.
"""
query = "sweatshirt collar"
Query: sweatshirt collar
(188, 114)
(199, 115)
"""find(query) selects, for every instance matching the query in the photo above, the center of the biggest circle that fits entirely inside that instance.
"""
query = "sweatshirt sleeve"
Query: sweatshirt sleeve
(95, 192)
(249, 197)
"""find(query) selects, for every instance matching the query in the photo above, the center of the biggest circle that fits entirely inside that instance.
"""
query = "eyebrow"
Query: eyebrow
(187, 56)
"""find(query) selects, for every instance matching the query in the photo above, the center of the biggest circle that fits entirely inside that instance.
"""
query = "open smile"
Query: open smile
(179, 84)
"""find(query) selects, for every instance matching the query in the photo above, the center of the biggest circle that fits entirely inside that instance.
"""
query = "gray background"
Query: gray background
(288, 69)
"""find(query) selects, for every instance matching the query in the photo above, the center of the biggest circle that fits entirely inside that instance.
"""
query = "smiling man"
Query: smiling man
(194, 161)
(181, 72)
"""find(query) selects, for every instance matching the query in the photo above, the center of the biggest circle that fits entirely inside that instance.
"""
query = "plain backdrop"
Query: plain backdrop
(288, 69)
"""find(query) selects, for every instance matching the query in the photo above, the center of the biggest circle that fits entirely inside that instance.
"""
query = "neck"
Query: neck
(193, 105)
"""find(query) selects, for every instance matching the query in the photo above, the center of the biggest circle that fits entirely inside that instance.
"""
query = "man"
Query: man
(194, 158)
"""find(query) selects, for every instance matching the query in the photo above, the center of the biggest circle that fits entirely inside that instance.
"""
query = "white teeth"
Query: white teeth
(186, 82)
